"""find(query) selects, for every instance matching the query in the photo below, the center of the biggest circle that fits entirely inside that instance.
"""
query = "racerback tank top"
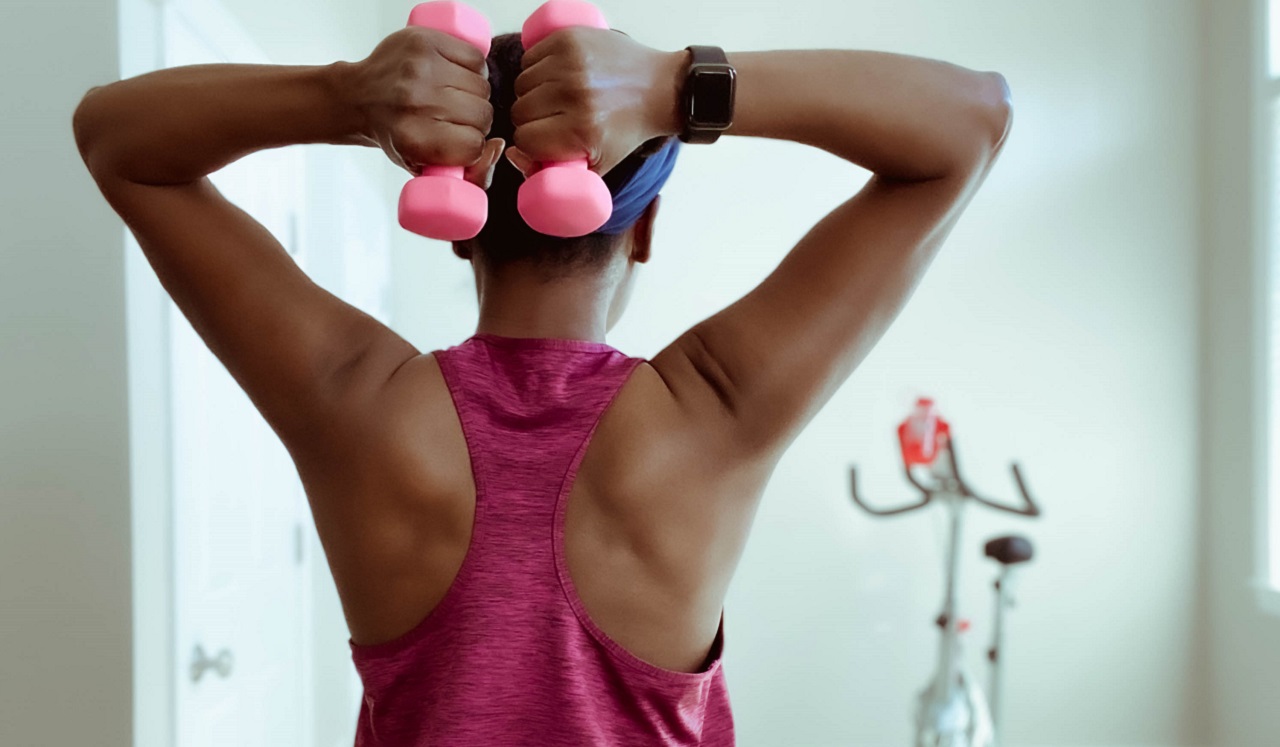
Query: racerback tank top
(509, 657)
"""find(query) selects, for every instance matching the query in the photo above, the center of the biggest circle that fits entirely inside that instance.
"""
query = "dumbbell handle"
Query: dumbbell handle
(460, 21)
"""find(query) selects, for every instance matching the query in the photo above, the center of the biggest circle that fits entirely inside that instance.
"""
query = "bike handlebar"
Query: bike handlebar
(1029, 509)
(853, 481)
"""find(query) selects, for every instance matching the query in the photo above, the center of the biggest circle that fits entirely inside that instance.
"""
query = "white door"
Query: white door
(241, 593)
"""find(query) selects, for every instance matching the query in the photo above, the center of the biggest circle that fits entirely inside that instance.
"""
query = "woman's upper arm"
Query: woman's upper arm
(305, 358)
(756, 372)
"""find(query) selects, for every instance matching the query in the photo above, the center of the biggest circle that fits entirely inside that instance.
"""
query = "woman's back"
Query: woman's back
(607, 633)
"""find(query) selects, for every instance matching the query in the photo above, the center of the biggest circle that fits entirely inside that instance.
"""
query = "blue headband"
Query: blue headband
(630, 200)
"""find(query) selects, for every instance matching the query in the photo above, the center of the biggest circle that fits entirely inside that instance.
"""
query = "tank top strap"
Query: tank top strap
(526, 407)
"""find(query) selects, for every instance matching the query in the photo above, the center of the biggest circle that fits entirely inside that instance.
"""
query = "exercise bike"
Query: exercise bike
(952, 710)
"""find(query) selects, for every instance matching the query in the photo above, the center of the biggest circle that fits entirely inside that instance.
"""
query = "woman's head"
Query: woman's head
(506, 239)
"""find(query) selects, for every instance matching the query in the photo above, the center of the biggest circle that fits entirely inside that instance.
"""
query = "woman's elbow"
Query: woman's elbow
(996, 111)
(988, 113)
(92, 131)
(82, 122)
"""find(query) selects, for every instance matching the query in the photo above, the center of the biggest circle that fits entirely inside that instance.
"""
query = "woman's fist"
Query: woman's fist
(595, 94)
(424, 97)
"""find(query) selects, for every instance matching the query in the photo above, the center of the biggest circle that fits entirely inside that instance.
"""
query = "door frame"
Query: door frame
(155, 658)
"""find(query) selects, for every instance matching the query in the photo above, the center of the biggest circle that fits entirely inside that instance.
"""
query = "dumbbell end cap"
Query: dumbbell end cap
(444, 208)
(565, 202)
(455, 19)
(554, 15)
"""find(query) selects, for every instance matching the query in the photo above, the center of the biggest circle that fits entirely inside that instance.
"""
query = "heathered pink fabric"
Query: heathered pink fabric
(510, 655)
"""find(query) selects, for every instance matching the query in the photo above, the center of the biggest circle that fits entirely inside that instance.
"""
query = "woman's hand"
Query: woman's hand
(594, 94)
(424, 96)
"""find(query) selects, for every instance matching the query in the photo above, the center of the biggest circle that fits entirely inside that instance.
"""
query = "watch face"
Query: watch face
(712, 100)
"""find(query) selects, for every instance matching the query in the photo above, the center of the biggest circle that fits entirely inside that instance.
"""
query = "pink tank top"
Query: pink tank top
(510, 656)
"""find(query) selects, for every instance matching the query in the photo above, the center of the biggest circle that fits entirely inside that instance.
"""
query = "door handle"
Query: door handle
(220, 664)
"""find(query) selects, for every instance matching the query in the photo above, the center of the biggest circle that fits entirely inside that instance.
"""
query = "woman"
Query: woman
(532, 533)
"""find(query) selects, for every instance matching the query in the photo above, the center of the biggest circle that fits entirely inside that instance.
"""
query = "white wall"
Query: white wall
(65, 622)
(296, 32)
(1057, 327)
(1244, 650)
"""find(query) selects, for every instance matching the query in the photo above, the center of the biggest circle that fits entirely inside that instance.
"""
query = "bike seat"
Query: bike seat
(1010, 550)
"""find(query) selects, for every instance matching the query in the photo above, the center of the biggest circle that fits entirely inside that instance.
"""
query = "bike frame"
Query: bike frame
(953, 711)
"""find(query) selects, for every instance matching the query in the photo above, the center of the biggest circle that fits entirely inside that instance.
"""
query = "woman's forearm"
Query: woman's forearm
(178, 125)
(901, 117)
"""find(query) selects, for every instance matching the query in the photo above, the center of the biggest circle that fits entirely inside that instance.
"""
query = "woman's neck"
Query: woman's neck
(518, 302)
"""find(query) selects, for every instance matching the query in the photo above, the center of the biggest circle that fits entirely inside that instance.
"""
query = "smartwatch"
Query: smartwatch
(708, 94)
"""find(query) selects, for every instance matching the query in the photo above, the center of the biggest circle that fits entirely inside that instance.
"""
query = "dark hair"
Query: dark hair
(506, 238)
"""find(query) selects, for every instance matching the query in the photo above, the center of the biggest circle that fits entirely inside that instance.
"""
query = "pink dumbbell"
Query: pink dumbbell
(566, 198)
(440, 203)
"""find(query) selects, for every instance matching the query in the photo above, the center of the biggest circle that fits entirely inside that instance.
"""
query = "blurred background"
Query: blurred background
(1104, 314)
